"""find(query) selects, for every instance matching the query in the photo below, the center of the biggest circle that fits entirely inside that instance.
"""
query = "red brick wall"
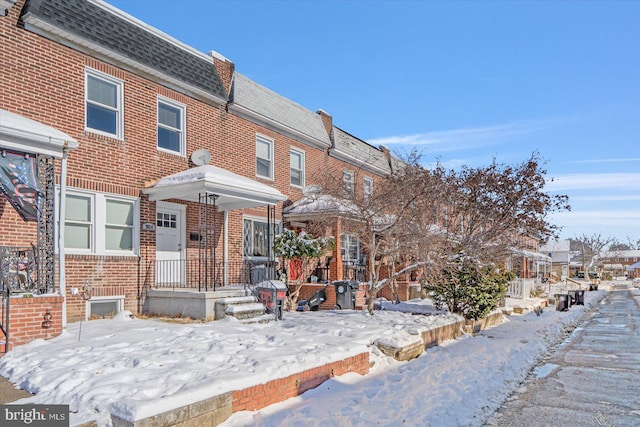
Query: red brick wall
(107, 275)
(404, 292)
(262, 395)
(26, 322)
(308, 289)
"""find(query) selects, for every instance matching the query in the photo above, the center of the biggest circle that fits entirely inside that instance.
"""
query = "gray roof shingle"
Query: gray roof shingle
(88, 21)
(273, 108)
(364, 154)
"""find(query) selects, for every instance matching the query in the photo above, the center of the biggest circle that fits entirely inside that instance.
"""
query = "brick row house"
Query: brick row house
(155, 166)
(140, 174)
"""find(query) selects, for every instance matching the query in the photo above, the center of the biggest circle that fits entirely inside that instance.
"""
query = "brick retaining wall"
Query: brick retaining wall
(214, 410)
(27, 319)
(262, 395)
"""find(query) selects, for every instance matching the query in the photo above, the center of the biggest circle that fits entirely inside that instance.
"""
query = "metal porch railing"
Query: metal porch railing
(206, 274)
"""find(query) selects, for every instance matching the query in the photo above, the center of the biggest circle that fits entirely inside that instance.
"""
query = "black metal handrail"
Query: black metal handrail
(205, 274)
(352, 270)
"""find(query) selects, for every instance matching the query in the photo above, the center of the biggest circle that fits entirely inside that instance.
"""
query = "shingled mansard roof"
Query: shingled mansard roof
(257, 103)
(95, 27)
(350, 149)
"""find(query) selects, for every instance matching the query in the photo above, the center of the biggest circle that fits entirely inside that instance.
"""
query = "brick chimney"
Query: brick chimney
(225, 69)
(327, 121)
(387, 155)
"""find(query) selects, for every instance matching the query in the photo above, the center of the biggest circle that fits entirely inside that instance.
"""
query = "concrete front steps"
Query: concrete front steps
(241, 307)
(207, 305)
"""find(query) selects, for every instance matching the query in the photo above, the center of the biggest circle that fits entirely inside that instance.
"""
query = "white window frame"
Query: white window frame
(348, 237)
(119, 100)
(183, 120)
(98, 218)
(349, 182)
(295, 151)
(253, 219)
(367, 192)
(269, 141)
(118, 299)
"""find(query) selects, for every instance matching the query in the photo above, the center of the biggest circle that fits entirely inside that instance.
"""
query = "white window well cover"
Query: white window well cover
(234, 191)
(26, 135)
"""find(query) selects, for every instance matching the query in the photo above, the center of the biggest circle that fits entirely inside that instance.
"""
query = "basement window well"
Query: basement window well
(104, 307)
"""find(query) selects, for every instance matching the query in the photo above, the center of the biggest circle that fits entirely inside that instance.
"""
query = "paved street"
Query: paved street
(592, 379)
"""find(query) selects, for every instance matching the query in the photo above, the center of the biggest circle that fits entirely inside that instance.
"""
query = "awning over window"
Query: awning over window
(29, 136)
(234, 191)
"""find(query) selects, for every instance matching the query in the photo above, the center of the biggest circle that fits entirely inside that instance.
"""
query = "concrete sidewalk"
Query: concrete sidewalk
(591, 379)
(9, 393)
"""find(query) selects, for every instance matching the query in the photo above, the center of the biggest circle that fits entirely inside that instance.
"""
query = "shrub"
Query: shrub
(469, 289)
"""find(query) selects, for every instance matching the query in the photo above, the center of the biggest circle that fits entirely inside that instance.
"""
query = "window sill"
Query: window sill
(105, 137)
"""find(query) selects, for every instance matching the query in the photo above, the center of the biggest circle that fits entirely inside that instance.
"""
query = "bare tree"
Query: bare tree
(591, 247)
(484, 211)
(388, 221)
(424, 219)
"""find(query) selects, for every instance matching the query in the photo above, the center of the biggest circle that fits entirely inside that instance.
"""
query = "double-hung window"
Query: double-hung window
(348, 181)
(99, 223)
(171, 126)
(368, 187)
(296, 159)
(350, 248)
(78, 223)
(118, 234)
(103, 104)
(256, 237)
(264, 157)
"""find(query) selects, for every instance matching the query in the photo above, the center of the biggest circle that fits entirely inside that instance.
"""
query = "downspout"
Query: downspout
(61, 216)
(225, 246)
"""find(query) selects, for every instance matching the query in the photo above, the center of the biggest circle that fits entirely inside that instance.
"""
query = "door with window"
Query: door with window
(170, 242)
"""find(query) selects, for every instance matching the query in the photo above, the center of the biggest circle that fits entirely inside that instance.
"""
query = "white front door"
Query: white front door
(170, 242)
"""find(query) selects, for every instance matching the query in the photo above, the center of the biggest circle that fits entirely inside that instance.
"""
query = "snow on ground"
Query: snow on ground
(135, 368)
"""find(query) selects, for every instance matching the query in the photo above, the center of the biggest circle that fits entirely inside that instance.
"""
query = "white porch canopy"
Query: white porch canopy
(234, 191)
(29, 136)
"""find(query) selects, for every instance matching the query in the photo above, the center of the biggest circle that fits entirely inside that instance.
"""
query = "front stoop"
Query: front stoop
(209, 412)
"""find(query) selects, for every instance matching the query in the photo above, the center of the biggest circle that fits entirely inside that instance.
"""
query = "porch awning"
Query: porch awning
(314, 204)
(29, 136)
(531, 255)
(234, 191)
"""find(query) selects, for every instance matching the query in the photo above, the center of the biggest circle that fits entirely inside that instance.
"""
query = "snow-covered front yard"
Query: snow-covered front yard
(135, 368)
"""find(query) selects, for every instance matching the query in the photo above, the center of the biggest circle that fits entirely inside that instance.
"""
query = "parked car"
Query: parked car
(636, 282)
(593, 276)
(580, 275)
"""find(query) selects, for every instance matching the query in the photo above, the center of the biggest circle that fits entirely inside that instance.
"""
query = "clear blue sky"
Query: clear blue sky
(461, 81)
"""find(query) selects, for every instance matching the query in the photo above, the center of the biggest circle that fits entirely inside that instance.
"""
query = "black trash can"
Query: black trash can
(562, 302)
(579, 297)
(345, 294)
(572, 298)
